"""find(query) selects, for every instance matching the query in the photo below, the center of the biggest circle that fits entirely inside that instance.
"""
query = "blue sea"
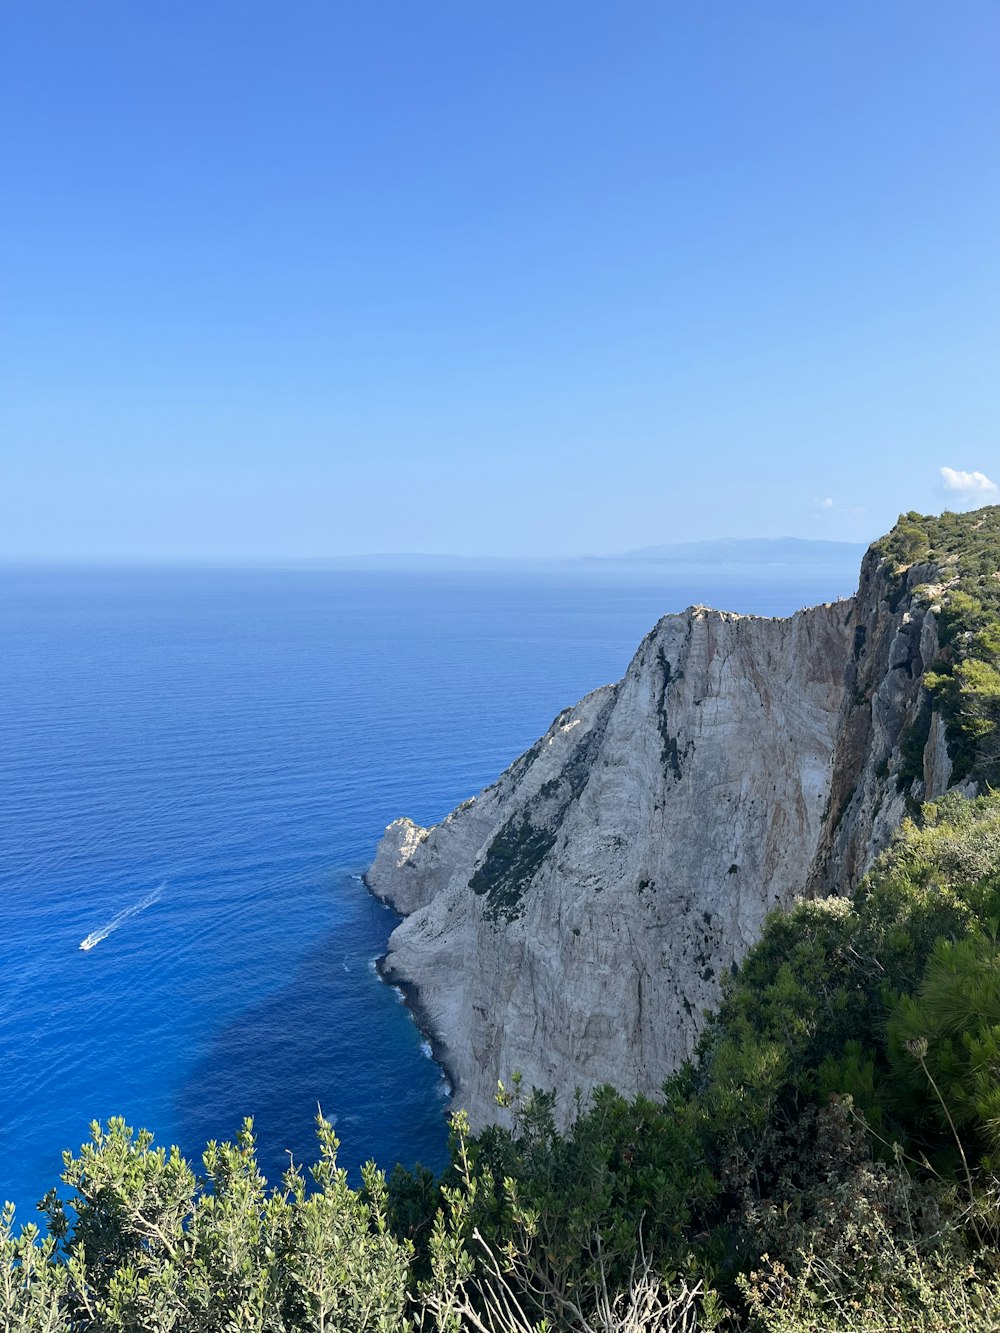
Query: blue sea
(195, 769)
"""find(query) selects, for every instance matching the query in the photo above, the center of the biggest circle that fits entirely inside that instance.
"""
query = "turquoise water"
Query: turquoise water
(204, 761)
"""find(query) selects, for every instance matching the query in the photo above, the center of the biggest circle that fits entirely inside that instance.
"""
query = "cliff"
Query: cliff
(574, 920)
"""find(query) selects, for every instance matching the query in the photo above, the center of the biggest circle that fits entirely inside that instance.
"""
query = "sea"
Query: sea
(195, 768)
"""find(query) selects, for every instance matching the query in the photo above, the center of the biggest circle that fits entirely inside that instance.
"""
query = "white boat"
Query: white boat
(96, 936)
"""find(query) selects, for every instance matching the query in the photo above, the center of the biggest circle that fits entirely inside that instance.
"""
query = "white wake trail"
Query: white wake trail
(96, 936)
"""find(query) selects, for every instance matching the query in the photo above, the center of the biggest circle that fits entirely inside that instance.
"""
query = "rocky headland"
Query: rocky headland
(574, 921)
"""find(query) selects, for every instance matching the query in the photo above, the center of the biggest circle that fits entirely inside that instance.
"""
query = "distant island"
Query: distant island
(742, 551)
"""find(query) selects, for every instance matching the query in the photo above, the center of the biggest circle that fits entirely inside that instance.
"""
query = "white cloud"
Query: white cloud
(826, 504)
(968, 483)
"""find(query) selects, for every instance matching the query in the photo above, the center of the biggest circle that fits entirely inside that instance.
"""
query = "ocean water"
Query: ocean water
(195, 768)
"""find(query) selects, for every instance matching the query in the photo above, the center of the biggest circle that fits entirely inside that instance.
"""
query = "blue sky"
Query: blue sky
(313, 277)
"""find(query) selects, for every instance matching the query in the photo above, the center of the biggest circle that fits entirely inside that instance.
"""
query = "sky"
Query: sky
(303, 278)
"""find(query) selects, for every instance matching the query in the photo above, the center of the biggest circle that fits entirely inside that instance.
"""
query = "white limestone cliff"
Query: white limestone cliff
(573, 922)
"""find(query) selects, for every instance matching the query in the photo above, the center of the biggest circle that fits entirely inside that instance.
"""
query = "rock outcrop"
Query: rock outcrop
(574, 920)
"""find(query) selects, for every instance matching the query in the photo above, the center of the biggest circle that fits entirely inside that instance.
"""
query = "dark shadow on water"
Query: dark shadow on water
(334, 1036)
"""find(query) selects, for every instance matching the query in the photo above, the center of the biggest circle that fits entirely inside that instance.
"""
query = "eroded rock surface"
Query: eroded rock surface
(574, 920)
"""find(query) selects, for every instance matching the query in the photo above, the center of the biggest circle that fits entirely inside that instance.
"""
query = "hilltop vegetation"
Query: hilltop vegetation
(965, 551)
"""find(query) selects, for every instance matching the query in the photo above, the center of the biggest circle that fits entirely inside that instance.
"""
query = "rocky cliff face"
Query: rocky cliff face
(574, 920)
(891, 748)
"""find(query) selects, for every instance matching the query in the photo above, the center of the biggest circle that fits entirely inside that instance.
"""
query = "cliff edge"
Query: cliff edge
(573, 922)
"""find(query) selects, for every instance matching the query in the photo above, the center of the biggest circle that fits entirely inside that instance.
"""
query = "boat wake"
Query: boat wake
(96, 936)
